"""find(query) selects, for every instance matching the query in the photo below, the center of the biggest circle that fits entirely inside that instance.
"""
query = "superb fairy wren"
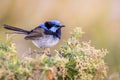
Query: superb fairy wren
(44, 36)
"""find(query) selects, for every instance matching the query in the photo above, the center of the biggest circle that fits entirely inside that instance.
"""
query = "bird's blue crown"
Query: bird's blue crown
(53, 24)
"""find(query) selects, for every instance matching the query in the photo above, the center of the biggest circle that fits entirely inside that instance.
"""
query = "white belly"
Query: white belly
(46, 41)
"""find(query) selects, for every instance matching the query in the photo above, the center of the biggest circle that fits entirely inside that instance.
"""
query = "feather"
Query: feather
(35, 34)
(22, 31)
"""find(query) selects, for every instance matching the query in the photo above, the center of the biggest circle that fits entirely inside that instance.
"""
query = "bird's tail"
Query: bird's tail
(19, 31)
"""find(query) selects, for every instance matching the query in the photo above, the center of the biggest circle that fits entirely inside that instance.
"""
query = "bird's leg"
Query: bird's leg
(47, 52)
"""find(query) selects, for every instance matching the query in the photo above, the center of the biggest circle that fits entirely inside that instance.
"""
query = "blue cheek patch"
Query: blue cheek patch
(53, 29)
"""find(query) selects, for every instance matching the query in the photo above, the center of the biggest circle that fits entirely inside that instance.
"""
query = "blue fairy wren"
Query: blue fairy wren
(44, 36)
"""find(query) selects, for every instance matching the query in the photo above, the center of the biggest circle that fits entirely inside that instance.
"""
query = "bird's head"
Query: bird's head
(53, 25)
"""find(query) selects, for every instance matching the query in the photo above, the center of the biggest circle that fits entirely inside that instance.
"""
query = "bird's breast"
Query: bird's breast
(46, 41)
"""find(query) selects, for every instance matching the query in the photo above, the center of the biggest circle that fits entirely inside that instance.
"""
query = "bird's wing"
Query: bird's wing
(35, 34)
(39, 32)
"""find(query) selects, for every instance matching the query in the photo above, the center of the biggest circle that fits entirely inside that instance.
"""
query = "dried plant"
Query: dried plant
(74, 61)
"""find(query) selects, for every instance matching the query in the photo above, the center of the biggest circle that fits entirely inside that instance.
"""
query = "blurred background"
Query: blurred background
(99, 19)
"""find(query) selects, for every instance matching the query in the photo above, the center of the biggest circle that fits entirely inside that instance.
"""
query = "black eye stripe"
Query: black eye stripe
(48, 25)
(57, 26)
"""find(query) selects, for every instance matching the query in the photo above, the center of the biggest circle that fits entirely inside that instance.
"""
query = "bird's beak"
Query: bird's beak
(62, 26)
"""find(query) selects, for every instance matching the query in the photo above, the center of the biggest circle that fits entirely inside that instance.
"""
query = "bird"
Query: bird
(43, 36)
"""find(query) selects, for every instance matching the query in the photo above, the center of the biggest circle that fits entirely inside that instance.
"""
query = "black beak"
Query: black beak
(62, 26)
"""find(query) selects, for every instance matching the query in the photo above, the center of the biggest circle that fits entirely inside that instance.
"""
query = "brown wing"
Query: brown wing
(35, 34)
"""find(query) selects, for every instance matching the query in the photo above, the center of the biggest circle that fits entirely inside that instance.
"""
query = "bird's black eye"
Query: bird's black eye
(57, 26)
(48, 24)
